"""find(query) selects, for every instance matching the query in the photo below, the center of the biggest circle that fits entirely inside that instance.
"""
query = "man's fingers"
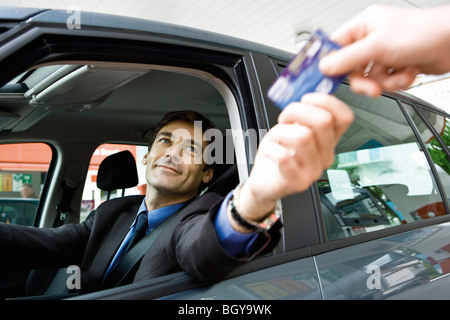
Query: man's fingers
(320, 124)
(341, 114)
(294, 150)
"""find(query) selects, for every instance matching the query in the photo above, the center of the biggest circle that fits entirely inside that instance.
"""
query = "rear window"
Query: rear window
(23, 170)
(92, 195)
(381, 176)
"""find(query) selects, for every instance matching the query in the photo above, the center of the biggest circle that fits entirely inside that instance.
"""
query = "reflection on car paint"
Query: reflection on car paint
(380, 269)
(388, 267)
(293, 280)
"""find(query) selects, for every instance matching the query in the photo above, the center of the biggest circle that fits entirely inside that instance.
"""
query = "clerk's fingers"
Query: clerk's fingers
(358, 45)
(348, 59)
(358, 27)
(381, 78)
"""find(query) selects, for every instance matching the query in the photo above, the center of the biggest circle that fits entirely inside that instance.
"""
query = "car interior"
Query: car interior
(116, 172)
(74, 108)
(79, 107)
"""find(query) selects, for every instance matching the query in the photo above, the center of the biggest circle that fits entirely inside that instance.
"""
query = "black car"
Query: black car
(375, 226)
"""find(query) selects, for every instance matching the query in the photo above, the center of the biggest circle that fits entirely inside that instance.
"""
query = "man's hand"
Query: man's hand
(293, 154)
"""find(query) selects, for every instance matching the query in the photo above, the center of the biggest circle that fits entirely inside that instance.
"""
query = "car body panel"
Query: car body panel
(389, 268)
(18, 14)
(290, 281)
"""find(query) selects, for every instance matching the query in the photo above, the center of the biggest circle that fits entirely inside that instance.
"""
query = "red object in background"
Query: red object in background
(437, 208)
(36, 157)
(142, 188)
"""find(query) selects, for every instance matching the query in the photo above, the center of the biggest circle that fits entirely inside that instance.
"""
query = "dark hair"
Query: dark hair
(187, 116)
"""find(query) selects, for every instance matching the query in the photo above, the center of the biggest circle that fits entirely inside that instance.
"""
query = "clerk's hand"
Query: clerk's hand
(384, 48)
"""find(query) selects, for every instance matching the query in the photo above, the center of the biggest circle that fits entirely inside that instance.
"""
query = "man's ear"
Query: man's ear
(207, 175)
(144, 159)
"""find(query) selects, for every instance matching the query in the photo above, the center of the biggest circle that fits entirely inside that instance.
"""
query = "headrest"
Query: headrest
(226, 181)
(117, 171)
(225, 176)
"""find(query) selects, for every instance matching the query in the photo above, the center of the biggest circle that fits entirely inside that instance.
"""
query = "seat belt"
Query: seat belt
(135, 254)
(63, 208)
(132, 257)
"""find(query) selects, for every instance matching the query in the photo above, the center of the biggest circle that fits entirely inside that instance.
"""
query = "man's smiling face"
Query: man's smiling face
(175, 164)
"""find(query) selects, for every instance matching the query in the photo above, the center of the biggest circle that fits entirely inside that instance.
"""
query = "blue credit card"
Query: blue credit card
(302, 75)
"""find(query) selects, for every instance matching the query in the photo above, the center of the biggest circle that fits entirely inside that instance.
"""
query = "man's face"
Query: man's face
(26, 192)
(175, 163)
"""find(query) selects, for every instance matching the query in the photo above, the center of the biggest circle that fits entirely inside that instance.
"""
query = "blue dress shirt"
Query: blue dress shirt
(233, 242)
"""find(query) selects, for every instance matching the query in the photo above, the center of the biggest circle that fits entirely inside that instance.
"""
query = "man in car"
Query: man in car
(211, 235)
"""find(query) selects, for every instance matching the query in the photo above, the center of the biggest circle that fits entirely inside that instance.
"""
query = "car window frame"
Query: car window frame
(443, 193)
(418, 109)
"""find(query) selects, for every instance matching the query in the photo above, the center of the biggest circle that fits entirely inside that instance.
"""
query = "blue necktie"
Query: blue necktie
(139, 230)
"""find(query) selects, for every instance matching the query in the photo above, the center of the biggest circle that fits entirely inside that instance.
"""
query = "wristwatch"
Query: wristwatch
(266, 224)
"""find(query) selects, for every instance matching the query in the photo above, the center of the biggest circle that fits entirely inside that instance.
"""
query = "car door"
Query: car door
(290, 273)
(385, 204)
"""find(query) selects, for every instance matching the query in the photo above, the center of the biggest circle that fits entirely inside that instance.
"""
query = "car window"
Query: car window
(438, 154)
(380, 177)
(23, 169)
(92, 195)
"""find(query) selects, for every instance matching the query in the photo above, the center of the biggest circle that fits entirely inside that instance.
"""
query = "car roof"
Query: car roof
(109, 21)
(128, 118)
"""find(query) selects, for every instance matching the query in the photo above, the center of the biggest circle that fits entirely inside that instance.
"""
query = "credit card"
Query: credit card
(302, 75)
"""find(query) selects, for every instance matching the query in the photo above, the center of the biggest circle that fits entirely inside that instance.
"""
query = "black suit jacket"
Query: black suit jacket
(190, 244)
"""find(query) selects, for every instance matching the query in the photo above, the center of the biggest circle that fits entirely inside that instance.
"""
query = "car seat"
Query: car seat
(225, 176)
(117, 171)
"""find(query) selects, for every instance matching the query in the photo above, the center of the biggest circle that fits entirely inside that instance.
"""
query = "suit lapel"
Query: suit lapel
(112, 241)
